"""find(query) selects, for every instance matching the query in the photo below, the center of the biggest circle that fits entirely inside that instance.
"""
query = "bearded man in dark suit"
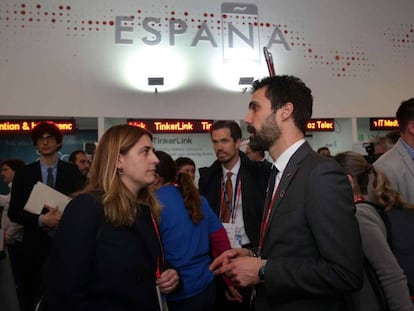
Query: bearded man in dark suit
(309, 255)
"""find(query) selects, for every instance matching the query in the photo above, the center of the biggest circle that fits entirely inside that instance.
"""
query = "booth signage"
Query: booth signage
(173, 125)
(383, 124)
(25, 126)
(321, 125)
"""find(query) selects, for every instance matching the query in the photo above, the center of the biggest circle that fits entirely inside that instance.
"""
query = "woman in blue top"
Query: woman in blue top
(188, 227)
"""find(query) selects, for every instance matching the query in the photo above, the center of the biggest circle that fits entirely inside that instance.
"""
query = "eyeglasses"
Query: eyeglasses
(46, 139)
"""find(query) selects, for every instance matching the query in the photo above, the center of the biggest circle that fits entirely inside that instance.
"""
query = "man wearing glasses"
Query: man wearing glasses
(58, 174)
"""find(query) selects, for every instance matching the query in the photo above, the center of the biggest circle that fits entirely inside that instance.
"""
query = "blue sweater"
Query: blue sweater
(186, 244)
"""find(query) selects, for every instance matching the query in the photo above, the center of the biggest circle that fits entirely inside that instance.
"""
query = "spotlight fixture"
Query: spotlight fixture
(156, 81)
(245, 81)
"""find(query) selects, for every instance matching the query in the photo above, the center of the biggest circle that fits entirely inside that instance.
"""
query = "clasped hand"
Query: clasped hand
(239, 266)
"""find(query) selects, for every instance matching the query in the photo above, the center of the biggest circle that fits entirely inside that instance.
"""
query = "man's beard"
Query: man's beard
(226, 159)
(264, 138)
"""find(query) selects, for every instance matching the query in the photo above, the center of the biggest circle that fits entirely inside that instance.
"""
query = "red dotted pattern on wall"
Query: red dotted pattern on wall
(353, 62)
(401, 38)
(342, 63)
(28, 15)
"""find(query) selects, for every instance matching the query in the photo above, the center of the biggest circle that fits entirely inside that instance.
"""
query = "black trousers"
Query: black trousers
(222, 303)
(203, 301)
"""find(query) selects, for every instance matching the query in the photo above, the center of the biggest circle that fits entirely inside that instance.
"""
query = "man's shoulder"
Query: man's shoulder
(209, 176)
(66, 166)
(213, 169)
(30, 169)
(388, 159)
(32, 165)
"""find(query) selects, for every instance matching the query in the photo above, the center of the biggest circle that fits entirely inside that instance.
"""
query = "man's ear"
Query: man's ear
(286, 111)
(410, 127)
(238, 143)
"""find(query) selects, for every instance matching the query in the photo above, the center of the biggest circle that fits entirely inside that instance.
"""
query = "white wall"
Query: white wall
(357, 56)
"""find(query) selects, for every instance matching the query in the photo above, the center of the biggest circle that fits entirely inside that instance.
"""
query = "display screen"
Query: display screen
(321, 125)
(173, 125)
(383, 124)
(25, 126)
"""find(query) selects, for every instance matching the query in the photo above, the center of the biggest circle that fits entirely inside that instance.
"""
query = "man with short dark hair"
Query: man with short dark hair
(58, 174)
(324, 151)
(81, 159)
(309, 255)
(239, 207)
(398, 165)
(398, 162)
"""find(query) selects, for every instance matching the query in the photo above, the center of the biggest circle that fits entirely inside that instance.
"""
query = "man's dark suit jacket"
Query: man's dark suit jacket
(36, 240)
(312, 241)
(68, 180)
(254, 176)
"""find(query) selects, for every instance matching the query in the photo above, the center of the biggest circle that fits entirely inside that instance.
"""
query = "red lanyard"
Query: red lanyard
(359, 198)
(265, 220)
(157, 232)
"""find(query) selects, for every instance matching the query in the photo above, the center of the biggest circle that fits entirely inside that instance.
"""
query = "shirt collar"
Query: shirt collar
(44, 166)
(282, 161)
(234, 170)
(409, 149)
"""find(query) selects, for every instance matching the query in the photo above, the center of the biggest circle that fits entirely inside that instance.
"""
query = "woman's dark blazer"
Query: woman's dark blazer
(97, 266)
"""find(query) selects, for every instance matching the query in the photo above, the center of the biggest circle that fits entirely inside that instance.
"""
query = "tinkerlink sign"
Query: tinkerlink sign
(238, 24)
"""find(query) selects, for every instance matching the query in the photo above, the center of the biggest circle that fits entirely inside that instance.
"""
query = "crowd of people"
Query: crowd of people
(306, 230)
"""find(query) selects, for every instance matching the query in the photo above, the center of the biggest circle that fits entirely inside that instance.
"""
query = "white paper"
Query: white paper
(42, 195)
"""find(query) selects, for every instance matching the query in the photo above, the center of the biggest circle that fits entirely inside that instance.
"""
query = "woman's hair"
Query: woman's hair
(167, 169)
(355, 165)
(120, 204)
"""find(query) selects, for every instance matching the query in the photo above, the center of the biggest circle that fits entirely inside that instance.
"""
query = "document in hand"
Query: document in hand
(43, 194)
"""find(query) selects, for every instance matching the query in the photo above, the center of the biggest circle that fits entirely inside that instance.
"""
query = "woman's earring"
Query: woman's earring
(120, 171)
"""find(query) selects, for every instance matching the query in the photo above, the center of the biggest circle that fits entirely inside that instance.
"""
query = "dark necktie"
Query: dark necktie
(271, 187)
(226, 206)
(50, 180)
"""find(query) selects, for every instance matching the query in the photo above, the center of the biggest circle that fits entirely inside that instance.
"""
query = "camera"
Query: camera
(370, 149)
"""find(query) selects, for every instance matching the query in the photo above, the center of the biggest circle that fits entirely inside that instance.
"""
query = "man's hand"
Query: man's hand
(233, 294)
(168, 281)
(226, 257)
(52, 218)
(243, 271)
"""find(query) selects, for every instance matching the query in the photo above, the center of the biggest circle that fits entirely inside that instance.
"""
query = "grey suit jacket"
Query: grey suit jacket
(398, 166)
(312, 242)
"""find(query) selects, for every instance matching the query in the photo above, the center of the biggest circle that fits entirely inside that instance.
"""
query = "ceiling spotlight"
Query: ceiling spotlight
(156, 81)
(246, 80)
